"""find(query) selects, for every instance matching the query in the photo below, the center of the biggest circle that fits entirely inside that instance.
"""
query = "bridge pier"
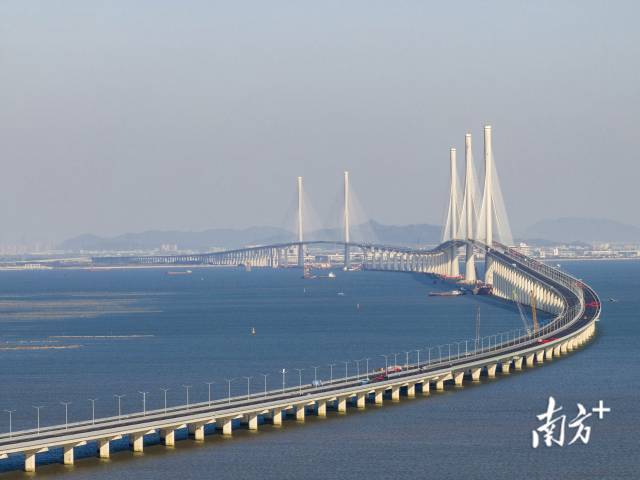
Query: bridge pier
(361, 400)
(395, 393)
(491, 370)
(379, 397)
(168, 437)
(342, 404)
(563, 348)
(517, 363)
(30, 461)
(103, 448)
(530, 358)
(425, 387)
(277, 416)
(67, 455)
(411, 390)
(556, 351)
(540, 356)
(458, 378)
(475, 374)
(197, 431)
(505, 367)
(549, 353)
(300, 413)
(440, 384)
(322, 408)
(136, 442)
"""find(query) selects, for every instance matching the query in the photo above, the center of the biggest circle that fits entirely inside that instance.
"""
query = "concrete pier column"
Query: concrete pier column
(540, 356)
(530, 357)
(300, 413)
(103, 448)
(563, 348)
(475, 374)
(458, 377)
(506, 366)
(491, 370)
(379, 397)
(277, 416)
(517, 363)
(439, 384)
(556, 351)
(361, 399)
(196, 430)
(67, 454)
(29, 461)
(168, 436)
(548, 353)
(395, 393)
(342, 404)
(322, 408)
(411, 390)
(136, 441)
(227, 426)
(425, 387)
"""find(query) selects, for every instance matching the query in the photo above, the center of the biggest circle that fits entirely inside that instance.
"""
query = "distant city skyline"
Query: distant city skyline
(122, 117)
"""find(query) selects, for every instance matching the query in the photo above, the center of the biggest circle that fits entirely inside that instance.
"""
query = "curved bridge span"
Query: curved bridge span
(574, 305)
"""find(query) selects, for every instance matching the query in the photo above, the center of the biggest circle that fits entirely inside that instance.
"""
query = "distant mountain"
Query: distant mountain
(200, 241)
(224, 238)
(573, 229)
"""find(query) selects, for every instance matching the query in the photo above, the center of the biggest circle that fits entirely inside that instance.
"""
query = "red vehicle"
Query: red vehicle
(379, 378)
(547, 340)
(593, 304)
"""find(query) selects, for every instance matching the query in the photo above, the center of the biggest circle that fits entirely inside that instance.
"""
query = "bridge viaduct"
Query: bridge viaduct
(574, 307)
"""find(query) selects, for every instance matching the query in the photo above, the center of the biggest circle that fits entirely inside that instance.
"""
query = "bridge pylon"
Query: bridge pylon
(469, 211)
(300, 231)
(347, 259)
(451, 227)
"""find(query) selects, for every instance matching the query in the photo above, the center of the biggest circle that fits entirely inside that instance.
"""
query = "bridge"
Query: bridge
(469, 234)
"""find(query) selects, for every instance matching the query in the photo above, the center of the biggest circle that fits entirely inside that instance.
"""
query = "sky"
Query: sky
(120, 116)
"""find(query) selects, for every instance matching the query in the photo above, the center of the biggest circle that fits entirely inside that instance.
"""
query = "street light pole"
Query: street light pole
(346, 370)
(119, 397)
(315, 376)
(165, 390)
(10, 412)
(93, 410)
(331, 365)
(38, 424)
(284, 372)
(265, 375)
(367, 362)
(187, 387)
(144, 403)
(299, 370)
(229, 380)
(208, 384)
(248, 387)
(66, 414)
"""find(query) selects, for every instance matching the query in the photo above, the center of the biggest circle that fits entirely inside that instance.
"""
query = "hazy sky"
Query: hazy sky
(121, 116)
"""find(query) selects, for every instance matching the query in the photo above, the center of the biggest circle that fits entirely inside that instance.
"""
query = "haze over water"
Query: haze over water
(169, 331)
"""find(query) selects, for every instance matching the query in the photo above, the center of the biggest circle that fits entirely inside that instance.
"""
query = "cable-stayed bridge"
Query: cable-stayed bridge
(476, 227)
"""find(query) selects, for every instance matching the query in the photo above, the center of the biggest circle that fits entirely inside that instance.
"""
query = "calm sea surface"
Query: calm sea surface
(74, 335)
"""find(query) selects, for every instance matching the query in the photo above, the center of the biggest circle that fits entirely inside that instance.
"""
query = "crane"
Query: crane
(524, 319)
(534, 313)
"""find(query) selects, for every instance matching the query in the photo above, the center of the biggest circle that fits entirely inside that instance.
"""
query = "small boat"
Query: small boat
(451, 293)
(331, 275)
(180, 272)
(253, 330)
(613, 300)
(341, 294)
